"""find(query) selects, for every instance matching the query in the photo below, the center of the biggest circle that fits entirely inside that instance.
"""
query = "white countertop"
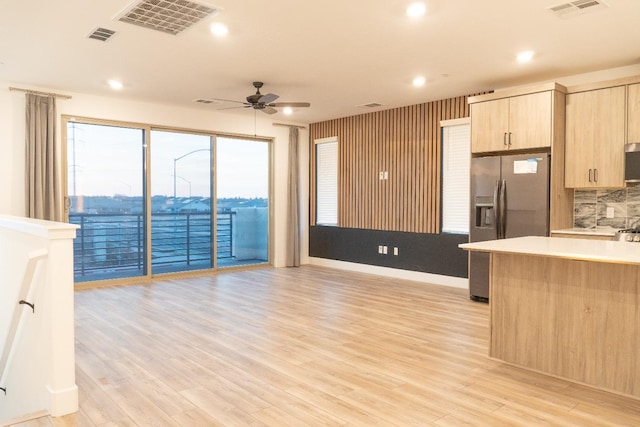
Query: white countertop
(558, 247)
(609, 232)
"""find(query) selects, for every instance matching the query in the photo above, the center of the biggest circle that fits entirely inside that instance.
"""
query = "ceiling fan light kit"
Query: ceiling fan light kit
(264, 103)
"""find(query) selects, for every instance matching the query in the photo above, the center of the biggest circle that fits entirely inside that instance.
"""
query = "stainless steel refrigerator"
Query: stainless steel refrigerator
(509, 198)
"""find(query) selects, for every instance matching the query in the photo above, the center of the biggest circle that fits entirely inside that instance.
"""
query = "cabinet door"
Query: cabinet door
(579, 126)
(633, 113)
(609, 137)
(489, 123)
(530, 121)
(595, 138)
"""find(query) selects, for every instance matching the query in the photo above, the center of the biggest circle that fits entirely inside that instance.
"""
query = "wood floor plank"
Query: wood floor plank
(307, 346)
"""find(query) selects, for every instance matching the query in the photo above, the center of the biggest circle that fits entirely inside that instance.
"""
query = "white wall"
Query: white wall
(12, 134)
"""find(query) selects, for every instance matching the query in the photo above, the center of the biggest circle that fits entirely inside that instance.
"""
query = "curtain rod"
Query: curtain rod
(289, 126)
(37, 92)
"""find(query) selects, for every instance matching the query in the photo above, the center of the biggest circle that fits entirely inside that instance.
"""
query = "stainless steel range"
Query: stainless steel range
(628, 235)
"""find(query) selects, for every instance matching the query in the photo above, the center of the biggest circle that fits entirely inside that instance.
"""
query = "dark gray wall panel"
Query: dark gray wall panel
(426, 253)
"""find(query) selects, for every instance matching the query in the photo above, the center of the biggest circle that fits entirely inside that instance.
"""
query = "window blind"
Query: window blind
(327, 183)
(456, 159)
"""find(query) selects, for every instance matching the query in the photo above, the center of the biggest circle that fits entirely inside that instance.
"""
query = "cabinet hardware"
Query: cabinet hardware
(590, 176)
(509, 139)
(504, 139)
(595, 175)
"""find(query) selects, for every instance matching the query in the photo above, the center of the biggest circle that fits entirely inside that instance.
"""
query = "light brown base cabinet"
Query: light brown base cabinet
(578, 320)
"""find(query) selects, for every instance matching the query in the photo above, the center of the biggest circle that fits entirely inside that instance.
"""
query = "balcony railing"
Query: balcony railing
(113, 245)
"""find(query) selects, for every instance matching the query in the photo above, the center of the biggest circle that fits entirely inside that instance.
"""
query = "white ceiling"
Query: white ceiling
(335, 54)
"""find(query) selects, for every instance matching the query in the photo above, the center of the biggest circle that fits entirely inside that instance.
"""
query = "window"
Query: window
(149, 201)
(456, 159)
(327, 181)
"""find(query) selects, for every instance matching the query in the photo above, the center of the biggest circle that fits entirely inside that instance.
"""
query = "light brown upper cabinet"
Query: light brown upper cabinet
(633, 113)
(595, 138)
(514, 123)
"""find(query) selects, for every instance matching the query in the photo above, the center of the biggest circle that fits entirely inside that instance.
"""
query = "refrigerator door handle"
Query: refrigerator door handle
(503, 209)
(496, 208)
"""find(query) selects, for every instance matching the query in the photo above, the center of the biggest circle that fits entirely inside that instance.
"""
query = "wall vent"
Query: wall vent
(576, 8)
(370, 105)
(101, 34)
(168, 16)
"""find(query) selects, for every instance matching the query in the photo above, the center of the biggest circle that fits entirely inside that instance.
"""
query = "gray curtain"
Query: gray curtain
(43, 199)
(293, 202)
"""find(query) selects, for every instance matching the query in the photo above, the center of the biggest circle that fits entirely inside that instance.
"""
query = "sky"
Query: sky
(108, 160)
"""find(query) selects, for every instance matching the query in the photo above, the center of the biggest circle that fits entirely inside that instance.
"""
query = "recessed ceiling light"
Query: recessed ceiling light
(419, 81)
(416, 10)
(219, 29)
(288, 111)
(525, 56)
(115, 84)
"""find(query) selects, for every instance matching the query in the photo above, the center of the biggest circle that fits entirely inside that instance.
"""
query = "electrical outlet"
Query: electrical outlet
(386, 175)
(610, 212)
(395, 251)
(384, 250)
(380, 249)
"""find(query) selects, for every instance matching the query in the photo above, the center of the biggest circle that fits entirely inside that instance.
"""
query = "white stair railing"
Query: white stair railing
(25, 300)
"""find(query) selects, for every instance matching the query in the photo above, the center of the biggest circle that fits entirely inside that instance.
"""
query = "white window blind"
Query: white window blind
(456, 159)
(327, 181)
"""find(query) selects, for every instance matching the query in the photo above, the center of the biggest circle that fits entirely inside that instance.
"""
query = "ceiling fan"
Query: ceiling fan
(264, 103)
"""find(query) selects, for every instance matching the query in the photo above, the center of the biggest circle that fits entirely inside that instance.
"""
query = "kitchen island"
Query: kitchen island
(567, 307)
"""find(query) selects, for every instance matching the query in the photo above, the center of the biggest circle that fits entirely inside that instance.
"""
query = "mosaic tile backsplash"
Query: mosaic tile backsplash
(590, 208)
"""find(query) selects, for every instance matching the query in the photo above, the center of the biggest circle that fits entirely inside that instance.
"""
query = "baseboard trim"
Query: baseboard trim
(434, 279)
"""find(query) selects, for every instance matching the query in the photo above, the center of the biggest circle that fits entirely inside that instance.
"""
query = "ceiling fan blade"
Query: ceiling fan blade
(233, 108)
(269, 110)
(267, 98)
(290, 104)
(227, 100)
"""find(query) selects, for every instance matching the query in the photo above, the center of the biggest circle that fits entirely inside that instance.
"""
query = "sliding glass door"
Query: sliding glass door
(181, 202)
(106, 198)
(242, 201)
(154, 201)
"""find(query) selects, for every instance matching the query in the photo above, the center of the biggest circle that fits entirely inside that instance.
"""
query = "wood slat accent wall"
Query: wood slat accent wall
(406, 142)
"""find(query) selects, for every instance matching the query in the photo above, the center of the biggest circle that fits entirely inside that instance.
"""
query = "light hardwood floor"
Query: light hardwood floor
(307, 346)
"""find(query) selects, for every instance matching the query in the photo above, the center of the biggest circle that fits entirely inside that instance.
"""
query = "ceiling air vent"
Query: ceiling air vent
(575, 8)
(370, 105)
(101, 34)
(168, 16)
